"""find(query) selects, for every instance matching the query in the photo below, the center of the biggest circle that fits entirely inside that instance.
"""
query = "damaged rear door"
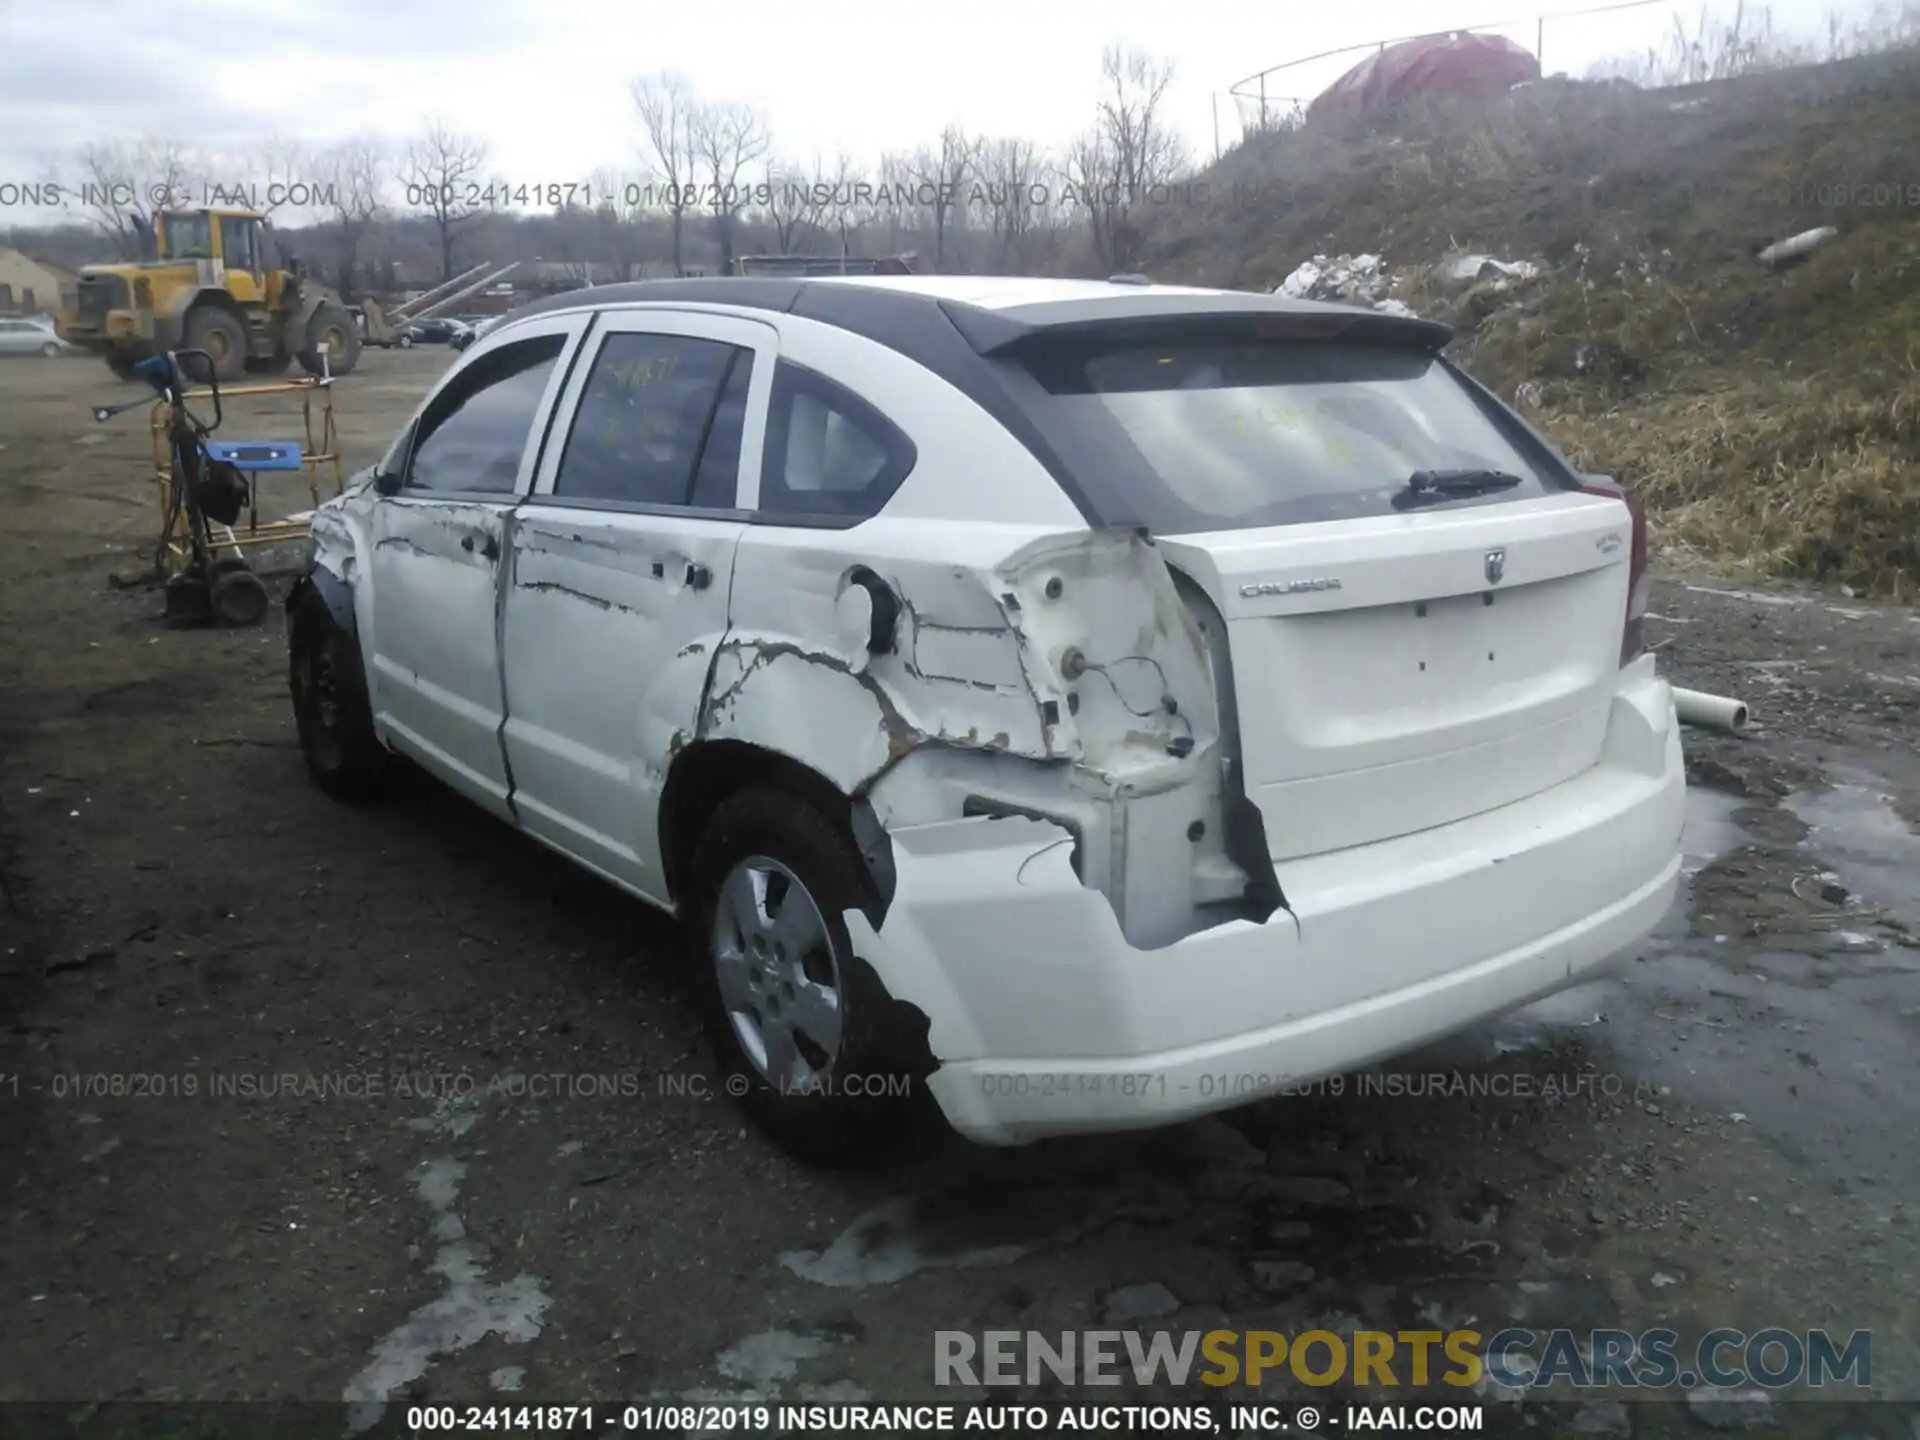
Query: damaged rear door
(622, 567)
(438, 555)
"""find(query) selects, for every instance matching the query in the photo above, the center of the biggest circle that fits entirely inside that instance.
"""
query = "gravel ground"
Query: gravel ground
(239, 1019)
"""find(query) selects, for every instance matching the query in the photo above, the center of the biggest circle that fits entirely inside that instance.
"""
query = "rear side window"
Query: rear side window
(1192, 437)
(829, 454)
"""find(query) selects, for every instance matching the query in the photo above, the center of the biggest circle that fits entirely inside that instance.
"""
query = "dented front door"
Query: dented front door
(436, 662)
(623, 561)
(439, 554)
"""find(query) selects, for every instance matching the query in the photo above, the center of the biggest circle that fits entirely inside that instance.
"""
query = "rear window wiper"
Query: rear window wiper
(1430, 487)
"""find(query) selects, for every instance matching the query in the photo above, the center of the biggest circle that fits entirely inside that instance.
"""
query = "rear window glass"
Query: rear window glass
(1193, 437)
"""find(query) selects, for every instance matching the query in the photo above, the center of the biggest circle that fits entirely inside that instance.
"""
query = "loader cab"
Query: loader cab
(228, 239)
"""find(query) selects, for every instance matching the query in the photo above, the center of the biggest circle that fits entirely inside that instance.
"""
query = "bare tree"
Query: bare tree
(729, 138)
(619, 205)
(355, 174)
(573, 236)
(797, 201)
(893, 207)
(849, 200)
(128, 184)
(1131, 151)
(1013, 192)
(937, 175)
(442, 172)
(669, 112)
(266, 178)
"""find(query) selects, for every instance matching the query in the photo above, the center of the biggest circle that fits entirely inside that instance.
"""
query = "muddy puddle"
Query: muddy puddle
(1854, 828)
(1815, 1047)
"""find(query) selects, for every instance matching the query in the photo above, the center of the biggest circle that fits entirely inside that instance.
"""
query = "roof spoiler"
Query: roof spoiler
(1174, 318)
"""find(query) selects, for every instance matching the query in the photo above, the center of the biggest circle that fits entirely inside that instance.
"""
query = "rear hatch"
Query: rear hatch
(1421, 690)
(1406, 652)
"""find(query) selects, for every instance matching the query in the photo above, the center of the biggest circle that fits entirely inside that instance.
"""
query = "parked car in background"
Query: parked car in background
(439, 331)
(485, 326)
(1090, 705)
(33, 335)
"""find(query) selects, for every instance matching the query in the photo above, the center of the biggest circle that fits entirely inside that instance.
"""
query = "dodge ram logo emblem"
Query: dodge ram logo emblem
(1496, 566)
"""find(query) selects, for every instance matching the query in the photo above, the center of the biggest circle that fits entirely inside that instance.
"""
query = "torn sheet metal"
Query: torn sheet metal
(1071, 648)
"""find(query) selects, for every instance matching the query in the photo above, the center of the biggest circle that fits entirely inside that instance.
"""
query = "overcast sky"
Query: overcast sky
(545, 82)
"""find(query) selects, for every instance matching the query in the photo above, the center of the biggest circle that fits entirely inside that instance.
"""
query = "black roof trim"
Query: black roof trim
(1156, 317)
(761, 292)
(881, 312)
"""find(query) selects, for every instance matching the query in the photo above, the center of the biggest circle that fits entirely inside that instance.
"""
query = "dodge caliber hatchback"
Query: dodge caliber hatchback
(1087, 705)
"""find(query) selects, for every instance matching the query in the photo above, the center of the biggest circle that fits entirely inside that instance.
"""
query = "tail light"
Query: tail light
(1639, 582)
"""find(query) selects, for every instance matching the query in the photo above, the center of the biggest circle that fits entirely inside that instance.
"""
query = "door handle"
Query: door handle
(698, 577)
(489, 547)
(466, 543)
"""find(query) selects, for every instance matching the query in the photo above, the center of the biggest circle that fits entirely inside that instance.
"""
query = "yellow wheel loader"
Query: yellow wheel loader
(209, 289)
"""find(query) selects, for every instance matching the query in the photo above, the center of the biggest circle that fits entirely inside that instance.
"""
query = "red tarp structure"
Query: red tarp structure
(1460, 64)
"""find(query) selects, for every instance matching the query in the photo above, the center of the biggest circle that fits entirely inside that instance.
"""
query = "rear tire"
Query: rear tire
(785, 995)
(333, 332)
(50, 350)
(213, 330)
(331, 710)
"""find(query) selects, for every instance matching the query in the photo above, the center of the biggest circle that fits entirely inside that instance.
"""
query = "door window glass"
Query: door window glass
(651, 411)
(473, 436)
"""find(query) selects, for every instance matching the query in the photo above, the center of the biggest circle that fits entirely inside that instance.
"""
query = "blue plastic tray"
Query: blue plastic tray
(256, 454)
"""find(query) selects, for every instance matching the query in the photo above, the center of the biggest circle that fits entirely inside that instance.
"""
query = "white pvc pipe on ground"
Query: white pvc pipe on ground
(1713, 712)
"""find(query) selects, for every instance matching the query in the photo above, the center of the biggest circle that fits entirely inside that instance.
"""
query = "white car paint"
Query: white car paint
(435, 675)
(587, 740)
(1467, 801)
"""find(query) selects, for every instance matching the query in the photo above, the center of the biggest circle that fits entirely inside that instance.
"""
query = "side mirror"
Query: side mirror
(386, 482)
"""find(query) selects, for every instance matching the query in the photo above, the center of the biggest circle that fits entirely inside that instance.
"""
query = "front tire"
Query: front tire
(213, 330)
(50, 350)
(808, 1040)
(333, 334)
(331, 711)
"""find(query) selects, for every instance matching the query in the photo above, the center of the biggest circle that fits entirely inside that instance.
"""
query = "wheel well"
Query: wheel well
(215, 300)
(706, 773)
(223, 302)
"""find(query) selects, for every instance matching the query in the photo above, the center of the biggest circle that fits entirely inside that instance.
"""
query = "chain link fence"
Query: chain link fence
(1573, 41)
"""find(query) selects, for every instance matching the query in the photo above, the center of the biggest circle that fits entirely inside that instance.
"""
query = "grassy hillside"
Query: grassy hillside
(1768, 415)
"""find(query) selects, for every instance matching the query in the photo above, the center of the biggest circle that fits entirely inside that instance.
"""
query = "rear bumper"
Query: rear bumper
(1046, 1021)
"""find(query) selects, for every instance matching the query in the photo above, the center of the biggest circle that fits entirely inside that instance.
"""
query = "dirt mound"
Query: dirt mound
(1765, 410)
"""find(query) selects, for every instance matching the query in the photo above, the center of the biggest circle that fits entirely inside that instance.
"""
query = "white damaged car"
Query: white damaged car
(1090, 705)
